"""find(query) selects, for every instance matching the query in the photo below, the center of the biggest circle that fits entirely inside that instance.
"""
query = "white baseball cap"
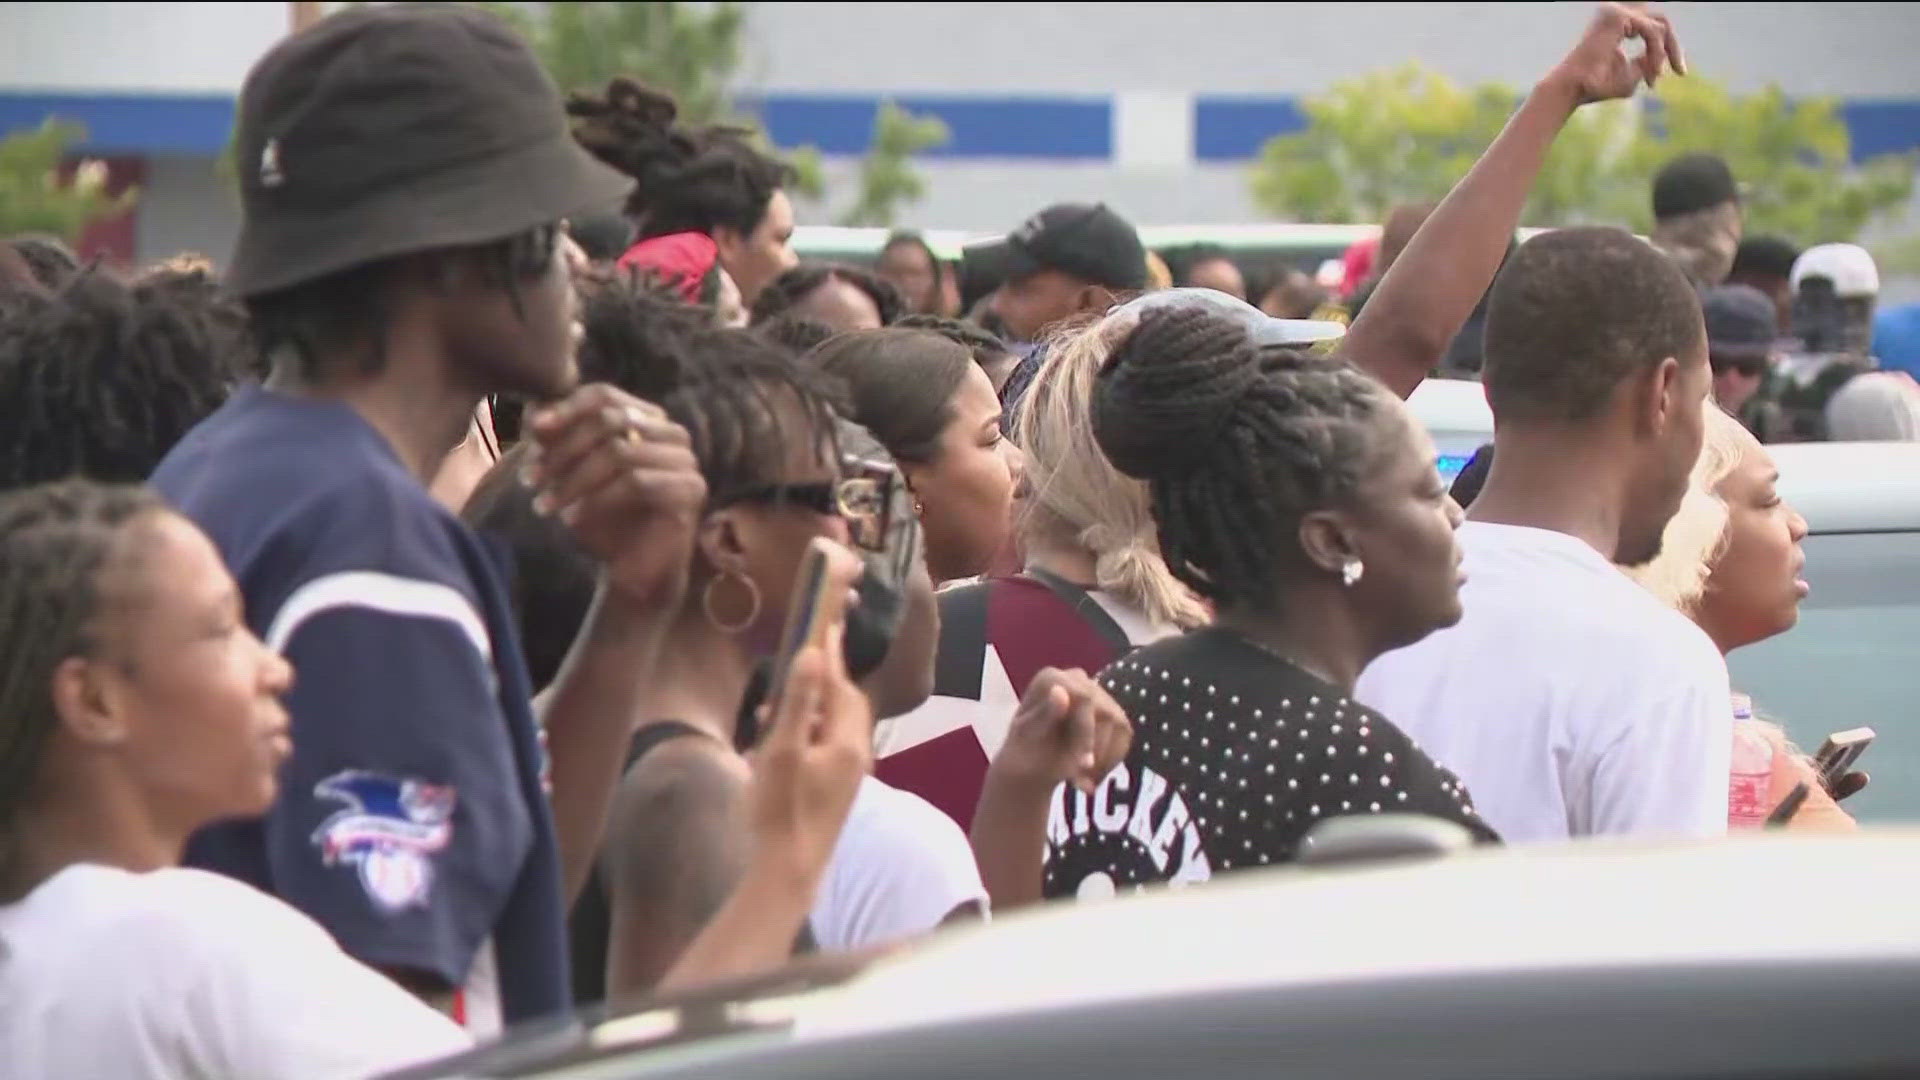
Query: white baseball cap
(1848, 266)
(1264, 328)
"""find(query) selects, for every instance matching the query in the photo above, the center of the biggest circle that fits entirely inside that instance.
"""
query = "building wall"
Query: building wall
(1153, 107)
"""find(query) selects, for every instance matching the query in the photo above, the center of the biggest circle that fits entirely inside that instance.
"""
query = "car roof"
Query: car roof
(863, 244)
(1597, 904)
(1852, 487)
(1455, 406)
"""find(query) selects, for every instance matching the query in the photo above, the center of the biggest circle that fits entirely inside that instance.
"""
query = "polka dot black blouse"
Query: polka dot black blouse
(1236, 755)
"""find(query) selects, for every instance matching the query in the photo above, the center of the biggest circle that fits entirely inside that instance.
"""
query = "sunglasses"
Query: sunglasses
(869, 499)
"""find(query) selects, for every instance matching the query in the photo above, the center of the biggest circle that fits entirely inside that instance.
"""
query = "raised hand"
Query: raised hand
(1598, 68)
(624, 479)
(1068, 729)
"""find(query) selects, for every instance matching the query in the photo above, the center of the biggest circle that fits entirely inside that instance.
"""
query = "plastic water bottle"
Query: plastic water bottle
(1750, 789)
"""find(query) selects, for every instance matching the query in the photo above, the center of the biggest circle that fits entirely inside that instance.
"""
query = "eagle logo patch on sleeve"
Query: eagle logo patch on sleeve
(389, 829)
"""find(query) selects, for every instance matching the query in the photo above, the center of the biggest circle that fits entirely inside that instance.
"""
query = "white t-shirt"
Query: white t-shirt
(899, 869)
(186, 974)
(1570, 700)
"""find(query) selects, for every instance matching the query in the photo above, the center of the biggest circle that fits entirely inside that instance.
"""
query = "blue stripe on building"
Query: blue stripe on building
(195, 125)
(997, 127)
(1233, 129)
(1225, 129)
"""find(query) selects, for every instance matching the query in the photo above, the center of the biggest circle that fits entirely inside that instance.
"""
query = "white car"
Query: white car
(1767, 957)
(1455, 413)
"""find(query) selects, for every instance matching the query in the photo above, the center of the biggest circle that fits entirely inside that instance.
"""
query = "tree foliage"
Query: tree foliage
(35, 198)
(887, 176)
(1410, 134)
(695, 52)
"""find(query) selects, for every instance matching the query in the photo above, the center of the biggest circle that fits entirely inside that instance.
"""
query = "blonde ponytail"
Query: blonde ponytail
(1077, 497)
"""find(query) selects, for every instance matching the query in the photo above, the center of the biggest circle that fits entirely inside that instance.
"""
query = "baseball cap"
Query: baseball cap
(1692, 182)
(394, 128)
(1848, 266)
(1262, 327)
(1087, 240)
(1740, 322)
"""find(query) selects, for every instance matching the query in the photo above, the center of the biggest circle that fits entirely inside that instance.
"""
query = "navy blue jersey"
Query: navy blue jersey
(411, 821)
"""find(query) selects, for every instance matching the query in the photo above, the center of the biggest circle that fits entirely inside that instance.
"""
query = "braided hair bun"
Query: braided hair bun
(1237, 442)
(688, 178)
(1167, 391)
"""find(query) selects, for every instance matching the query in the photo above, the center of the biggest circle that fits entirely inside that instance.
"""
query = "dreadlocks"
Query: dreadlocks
(688, 179)
(719, 384)
(349, 311)
(726, 387)
(1237, 443)
(101, 379)
(56, 542)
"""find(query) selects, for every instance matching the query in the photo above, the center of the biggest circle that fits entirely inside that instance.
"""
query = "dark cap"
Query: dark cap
(1740, 322)
(1692, 182)
(396, 128)
(1089, 242)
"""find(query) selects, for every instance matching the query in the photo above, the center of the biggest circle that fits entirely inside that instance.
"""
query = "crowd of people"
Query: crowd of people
(398, 620)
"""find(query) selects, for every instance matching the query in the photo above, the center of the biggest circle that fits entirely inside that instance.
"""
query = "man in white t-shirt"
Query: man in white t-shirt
(1571, 701)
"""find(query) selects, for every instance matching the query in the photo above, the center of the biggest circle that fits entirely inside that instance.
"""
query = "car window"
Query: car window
(1850, 663)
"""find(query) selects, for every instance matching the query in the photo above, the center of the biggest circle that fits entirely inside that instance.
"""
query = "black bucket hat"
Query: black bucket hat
(391, 129)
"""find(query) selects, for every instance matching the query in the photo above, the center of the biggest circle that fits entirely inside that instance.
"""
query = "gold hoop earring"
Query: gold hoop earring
(753, 606)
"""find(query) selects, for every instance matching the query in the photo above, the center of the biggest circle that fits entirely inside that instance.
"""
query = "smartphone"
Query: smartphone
(1840, 753)
(819, 603)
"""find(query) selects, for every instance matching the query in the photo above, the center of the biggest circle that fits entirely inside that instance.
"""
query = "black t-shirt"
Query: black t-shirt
(1236, 755)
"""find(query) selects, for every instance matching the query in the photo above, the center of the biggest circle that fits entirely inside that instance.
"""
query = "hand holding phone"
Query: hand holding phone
(817, 726)
(817, 612)
(1836, 758)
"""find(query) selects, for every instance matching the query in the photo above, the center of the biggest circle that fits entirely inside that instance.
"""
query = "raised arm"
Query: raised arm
(1068, 730)
(623, 478)
(1433, 286)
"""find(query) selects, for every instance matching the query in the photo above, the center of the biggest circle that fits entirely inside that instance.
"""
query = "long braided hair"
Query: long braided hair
(56, 542)
(1237, 443)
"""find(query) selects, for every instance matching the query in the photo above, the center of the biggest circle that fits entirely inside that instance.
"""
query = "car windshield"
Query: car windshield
(1846, 664)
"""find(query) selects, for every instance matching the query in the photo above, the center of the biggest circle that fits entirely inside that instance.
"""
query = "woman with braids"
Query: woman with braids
(136, 707)
(420, 821)
(842, 297)
(935, 411)
(710, 180)
(766, 435)
(1299, 498)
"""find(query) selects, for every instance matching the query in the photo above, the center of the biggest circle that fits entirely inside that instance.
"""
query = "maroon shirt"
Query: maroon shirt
(994, 637)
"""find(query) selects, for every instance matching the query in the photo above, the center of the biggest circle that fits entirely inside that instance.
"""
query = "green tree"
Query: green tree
(692, 51)
(887, 176)
(34, 198)
(1410, 134)
(1793, 157)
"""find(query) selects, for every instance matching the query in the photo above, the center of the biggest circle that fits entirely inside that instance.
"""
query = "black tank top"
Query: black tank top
(590, 927)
